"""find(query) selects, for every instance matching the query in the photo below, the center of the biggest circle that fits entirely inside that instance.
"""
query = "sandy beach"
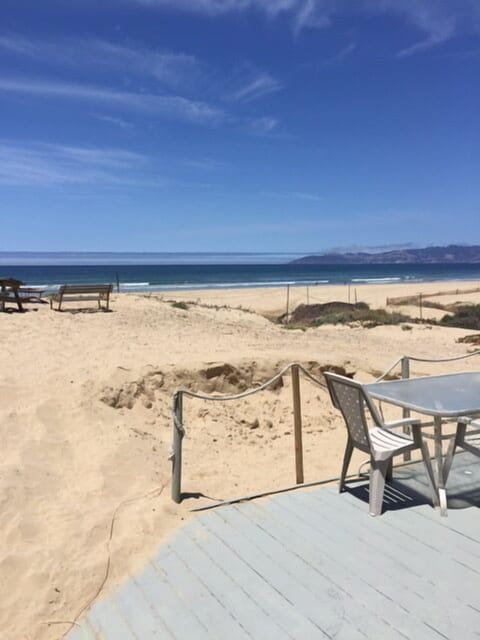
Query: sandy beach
(86, 427)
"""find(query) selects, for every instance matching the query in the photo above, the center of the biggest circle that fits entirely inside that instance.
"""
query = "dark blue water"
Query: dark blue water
(163, 277)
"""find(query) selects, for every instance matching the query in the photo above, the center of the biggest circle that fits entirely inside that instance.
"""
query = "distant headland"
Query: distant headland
(453, 254)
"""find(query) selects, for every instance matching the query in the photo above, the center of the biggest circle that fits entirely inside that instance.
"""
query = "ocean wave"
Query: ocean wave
(135, 284)
(377, 279)
(235, 285)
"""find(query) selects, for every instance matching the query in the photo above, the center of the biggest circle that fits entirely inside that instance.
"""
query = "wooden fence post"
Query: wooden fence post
(297, 421)
(406, 412)
(288, 302)
(178, 434)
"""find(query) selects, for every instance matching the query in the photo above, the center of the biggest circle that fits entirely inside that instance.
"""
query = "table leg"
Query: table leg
(442, 494)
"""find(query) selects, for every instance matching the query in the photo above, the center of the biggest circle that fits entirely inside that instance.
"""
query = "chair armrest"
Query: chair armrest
(406, 422)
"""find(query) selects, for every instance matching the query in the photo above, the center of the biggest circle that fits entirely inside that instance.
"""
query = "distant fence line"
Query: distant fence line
(414, 299)
(295, 368)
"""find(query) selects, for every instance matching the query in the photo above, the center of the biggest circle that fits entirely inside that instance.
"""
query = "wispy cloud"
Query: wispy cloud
(295, 195)
(116, 122)
(379, 248)
(16, 44)
(172, 69)
(173, 107)
(255, 86)
(437, 20)
(262, 126)
(47, 165)
(203, 164)
(340, 55)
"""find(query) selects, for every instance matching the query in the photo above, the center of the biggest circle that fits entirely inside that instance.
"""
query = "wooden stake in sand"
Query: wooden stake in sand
(176, 456)
(288, 301)
(297, 421)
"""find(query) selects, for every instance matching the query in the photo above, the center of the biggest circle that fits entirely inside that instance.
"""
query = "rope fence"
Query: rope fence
(294, 368)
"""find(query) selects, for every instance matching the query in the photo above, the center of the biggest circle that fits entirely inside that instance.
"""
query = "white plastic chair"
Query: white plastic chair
(378, 440)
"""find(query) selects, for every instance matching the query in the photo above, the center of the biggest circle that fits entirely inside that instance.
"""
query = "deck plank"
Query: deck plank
(339, 562)
(258, 584)
(201, 587)
(406, 573)
(324, 607)
(312, 564)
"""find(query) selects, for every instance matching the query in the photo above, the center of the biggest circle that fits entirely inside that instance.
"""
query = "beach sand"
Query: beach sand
(86, 428)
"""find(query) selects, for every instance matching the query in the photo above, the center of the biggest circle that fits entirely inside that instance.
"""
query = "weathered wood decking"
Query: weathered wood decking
(312, 564)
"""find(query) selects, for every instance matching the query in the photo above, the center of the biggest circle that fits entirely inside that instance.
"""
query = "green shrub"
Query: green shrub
(368, 318)
(180, 305)
(464, 317)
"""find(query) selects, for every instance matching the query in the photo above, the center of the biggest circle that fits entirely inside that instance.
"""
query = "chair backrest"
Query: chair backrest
(349, 397)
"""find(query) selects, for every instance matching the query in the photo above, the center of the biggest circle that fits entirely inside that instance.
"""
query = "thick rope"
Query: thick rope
(432, 360)
(250, 392)
(467, 355)
(389, 370)
(245, 394)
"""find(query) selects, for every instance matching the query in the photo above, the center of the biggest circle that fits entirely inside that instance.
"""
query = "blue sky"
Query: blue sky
(238, 125)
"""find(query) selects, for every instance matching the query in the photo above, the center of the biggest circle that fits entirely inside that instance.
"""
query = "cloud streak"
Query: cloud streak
(296, 195)
(171, 69)
(51, 165)
(437, 20)
(261, 84)
(172, 107)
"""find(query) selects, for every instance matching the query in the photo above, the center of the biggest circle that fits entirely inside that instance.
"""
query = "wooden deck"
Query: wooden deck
(312, 564)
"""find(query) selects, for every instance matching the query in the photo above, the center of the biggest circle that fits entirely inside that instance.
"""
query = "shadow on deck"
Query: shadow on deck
(312, 564)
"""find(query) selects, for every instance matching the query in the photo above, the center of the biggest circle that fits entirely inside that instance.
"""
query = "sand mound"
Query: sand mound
(151, 385)
(128, 393)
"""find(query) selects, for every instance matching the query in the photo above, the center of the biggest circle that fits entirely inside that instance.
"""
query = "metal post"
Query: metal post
(176, 457)
(308, 297)
(406, 412)
(420, 305)
(297, 421)
(288, 301)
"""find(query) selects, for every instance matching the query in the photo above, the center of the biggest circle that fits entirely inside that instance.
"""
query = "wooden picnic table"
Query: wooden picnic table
(9, 291)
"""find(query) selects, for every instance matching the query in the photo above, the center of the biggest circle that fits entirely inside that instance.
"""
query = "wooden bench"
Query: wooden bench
(9, 288)
(81, 293)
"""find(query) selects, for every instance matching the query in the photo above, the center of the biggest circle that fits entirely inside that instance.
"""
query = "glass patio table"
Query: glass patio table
(442, 397)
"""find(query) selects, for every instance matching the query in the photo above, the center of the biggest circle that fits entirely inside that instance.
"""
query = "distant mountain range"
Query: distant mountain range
(453, 254)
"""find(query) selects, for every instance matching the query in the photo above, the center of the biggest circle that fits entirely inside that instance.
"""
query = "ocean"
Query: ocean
(211, 271)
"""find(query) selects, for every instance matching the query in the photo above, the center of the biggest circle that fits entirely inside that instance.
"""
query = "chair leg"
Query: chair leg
(378, 475)
(390, 470)
(346, 461)
(430, 475)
